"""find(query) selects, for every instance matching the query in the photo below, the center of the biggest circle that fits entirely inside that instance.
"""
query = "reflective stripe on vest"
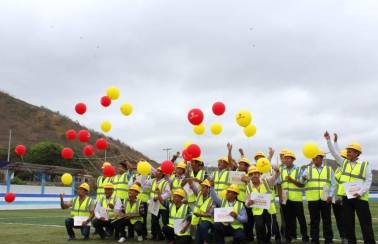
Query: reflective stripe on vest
(181, 213)
(355, 174)
(81, 209)
(238, 206)
(121, 184)
(162, 184)
(200, 176)
(316, 182)
(203, 207)
(294, 192)
(242, 191)
(133, 209)
(105, 204)
(264, 188)
(220, 180)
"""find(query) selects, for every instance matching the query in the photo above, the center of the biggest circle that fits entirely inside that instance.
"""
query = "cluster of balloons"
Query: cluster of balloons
(20, 150)
(244, 119)
(144, 168)
(9, 197)
(196, 117)
(310, 150)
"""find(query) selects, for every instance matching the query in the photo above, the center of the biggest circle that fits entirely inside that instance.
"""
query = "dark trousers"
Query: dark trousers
(122, 223)
(221, 231)
(263, 227)
(338, 212)
(144, 232)
(248, 227)
(170, 236)
(202, 233)
(293, 211)
(275, 228)
(155, 224)
(85, 230)
(350, 207)
(320, 209)
(99, 225)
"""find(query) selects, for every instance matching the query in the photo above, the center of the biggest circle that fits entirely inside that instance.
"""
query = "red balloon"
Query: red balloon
(20, 150)
(106, 101)
(9, 197)
(193, 150)
(167, 167)
(195, 116)
(186, 155)
(84, 135)
(219, 108)
(109, 171)
(67, 153)
(101, 144)
(88, 150)
(80, 108)
(71, 135)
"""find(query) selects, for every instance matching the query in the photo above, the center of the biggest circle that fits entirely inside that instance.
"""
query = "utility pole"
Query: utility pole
(167, 151)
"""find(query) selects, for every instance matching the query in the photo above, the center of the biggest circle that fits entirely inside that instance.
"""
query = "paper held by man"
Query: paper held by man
(352, 188)
(223, 214)
(260, 200)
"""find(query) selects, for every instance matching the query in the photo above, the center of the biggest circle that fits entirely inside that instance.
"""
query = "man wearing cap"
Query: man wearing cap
(177, 210)
(106, 210)
(265, 219)
(320, 187)
(81, 207)
(101, 181)
(290, 188)
(133, 216)
(354, 171)
(235, 229)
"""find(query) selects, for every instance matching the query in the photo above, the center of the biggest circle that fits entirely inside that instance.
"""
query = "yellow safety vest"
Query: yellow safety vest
(238, 206)
(133, 209)
(337, 178)
(263, 188)
(242, 191)
(82, 209)
(200, 176)
(121, 184)
(176, 184)
(294, 192)
(220, 180)
(101, 181)
(162, 184)
(179, 213)
(144, 196)
(316, 182)
(105, 204)
(202, 206)
(355, 174)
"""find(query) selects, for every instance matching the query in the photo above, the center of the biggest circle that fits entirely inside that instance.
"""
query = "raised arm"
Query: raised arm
(331, 148)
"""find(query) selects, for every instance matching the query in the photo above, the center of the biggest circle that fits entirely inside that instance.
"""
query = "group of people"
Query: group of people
(182, 205)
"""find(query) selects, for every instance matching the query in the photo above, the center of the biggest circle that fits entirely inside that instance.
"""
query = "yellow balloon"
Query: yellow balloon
(126, 109)
(250, 130)
(66, 179)
(143, 167)
(216, 128)
(243, 118)
(199, 129)
(106, 126)
(310, 150)
(113, 92)
(187, 144)
(263, 165)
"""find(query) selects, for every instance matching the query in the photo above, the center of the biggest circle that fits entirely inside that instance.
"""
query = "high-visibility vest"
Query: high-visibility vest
(104, 203)
(242, 191)
(265, 189)
(144, 196)
(82, 209)
(202, 205)
(176, 184)
(200, 176)
(337, 179)
(162, 184)
(101, 181)
(237, 208)
(294, 192)
(179, 213)
(133, 208)
(121, 184)
(220, 180)
(355, 174)
(316, 182)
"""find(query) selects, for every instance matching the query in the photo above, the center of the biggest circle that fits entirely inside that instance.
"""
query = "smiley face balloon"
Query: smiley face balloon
(243, 118)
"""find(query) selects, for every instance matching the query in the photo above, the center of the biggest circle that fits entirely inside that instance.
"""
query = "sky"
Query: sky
(300, 67)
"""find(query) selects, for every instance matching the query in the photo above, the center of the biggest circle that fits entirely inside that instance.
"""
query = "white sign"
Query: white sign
(178, 225)
(352, 188)
(103, 213)
(78, 220)
(223, 214)
(153, 207)
(235, 177)
(260, 200)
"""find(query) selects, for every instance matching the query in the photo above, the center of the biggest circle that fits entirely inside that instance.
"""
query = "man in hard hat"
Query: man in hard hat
(265, 219)
(320, 186)
(106, 210)
(177, 210)
(354, 171)
(235, 229)
(197, 174)
(101, 181)
(177, 181)
(133, 216)
(291, 189)
(203, 213)
(220, 176)
(121, 181)
(82, 207)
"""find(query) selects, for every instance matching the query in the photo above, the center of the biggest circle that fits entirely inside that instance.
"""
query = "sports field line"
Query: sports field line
(60, 226)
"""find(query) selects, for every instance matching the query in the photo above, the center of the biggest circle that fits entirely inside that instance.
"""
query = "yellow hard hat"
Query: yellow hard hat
(179, 192)
(289, 154)
(320, 153)
(158, 168)
(85, 186)
(253, 169)
(206, 183)
(106, 164)
(181, 165)
(135, 187)
(234, 188)
(283, 151)
(244, 160)
(343, 153)
(108, 186)
(222, 194)
(223, 159)
(259, 154)
(199, 159)
(355, 146)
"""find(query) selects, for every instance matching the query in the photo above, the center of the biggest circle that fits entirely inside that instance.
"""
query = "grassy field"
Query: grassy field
(47, 226)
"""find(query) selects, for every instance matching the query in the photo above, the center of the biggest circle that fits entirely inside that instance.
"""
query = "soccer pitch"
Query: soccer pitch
(47, 226)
